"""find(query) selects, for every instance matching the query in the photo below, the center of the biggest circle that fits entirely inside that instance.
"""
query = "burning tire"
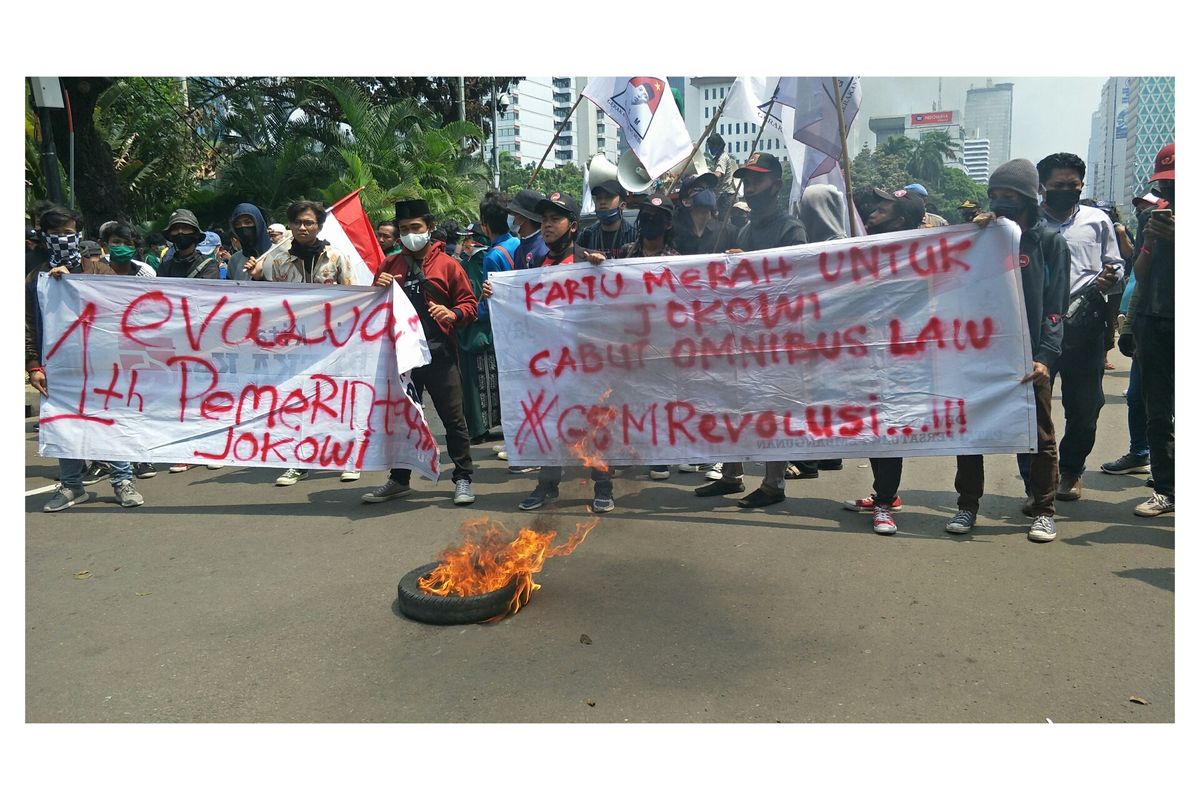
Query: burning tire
(451, 609)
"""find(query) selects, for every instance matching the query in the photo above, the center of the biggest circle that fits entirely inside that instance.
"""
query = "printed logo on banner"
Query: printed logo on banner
(639, 100)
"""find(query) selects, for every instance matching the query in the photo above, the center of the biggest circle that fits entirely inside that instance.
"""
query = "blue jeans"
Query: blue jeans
(1139, 440)
(70, 472)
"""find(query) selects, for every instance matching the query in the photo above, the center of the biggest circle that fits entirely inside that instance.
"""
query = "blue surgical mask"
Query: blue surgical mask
(608, 215)
(512, 223)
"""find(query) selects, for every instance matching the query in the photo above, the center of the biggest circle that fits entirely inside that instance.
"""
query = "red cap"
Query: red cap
(1164, 164)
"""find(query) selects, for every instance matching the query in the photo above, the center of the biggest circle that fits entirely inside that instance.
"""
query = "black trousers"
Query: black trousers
(444, 383)
(1155, 337)
(887, 473)
(1081, 368)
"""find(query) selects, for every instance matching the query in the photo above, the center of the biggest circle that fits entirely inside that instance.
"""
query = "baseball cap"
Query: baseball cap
(759, 163)
(210, 243)
(706, 199)
(88, 248)
(1164, 164)
(658, 203)
(276, 227)
(561, 201)
(916, 188)
(698, 183)
(742, 205)
(968, 204)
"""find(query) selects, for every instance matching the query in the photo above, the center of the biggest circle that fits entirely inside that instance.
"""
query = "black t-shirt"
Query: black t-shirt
(440, 344)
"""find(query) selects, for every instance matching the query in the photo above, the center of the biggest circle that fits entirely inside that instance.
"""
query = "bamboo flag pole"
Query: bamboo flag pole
(561, 125)
(753, 149)
(837, 102)
(703, 137)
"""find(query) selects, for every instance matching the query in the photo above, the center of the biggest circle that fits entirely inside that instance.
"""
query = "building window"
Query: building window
(722, 128)
(722, 93)
(706, 94)
(706, 112)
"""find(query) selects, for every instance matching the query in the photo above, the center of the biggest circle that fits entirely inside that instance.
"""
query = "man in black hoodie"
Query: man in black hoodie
(250, 228)
(1045, 263)
(184, 232)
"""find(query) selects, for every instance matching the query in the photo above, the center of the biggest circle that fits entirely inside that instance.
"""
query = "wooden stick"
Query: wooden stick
(561, 125)
(837, 102)
(703, 137)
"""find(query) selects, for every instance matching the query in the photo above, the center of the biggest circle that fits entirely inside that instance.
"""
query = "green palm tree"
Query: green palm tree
(928, 157)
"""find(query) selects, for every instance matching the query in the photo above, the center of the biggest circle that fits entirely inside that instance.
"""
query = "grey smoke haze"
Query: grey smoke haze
(1050, 115)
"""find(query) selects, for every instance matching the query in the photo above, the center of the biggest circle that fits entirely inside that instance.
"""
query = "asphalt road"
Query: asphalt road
(227, 599)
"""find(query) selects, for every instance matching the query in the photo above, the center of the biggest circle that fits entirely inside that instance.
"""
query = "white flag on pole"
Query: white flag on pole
(645, 109)
(816, 122)
(748, 100)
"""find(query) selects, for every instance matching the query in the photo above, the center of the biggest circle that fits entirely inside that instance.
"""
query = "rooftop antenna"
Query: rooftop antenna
(939, 105)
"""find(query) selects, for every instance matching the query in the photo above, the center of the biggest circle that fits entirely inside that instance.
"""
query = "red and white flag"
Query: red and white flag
(645, 109)
(349, 230)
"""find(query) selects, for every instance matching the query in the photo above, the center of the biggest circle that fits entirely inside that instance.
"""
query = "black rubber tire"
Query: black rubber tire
(451, 609)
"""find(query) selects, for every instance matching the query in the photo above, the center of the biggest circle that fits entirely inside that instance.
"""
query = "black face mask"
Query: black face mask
(1165, 190)
(1010, 209)
(653, 227)
(1060, 200)
(183, 241)
(249, 239)
(559, 247)
(761, 201)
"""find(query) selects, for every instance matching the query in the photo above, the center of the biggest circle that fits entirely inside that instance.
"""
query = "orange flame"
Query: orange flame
(490, 558)
(586, 449)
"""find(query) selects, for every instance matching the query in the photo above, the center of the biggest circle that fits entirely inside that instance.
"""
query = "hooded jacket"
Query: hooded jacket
(260, 245)
(821, 210)
(1045, 282)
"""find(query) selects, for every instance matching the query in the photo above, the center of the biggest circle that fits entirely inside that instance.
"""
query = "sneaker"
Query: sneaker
(214, 466)
(883, 523)
(351, 475)
(1109, 365)
(867, 504)
(179, 468)
(694, 467)
(829, 464)
(1128, 464)
(498, 448)
(502, 455)
(714, 473)
(96, 472)
(463, 496)
(1042, 530)
(962, 522)
(761, 497)
(64, 498)
(522, 470)
(660, 474)
(144, 470)
(542, 493)
(389, 491)
(602, 504)
(127, 495)
(1070, 487)
(1157, 504)
(720, 487)
(291, 476)
(806, 469)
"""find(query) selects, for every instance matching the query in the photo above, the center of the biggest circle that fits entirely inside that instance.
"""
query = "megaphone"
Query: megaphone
(601, 170)
(632, 175)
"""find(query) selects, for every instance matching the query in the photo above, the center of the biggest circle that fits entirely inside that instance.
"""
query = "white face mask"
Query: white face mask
(512, 223)
(414, 242)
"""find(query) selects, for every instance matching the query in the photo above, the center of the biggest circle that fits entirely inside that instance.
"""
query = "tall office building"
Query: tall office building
(988, 115)
(976, 159)
(1107, 148)
(1151, 124)
(538, 106)
(702, 98)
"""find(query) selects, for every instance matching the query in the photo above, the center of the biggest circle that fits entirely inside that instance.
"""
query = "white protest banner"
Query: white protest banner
(903, 344)
(645, 109)
(232, 373)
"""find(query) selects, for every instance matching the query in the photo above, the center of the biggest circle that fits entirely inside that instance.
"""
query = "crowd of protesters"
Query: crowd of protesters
(1087, 289)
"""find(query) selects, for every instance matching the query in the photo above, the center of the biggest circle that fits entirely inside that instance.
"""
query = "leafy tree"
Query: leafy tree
(955, 187)
(566, 178)
(928, 158)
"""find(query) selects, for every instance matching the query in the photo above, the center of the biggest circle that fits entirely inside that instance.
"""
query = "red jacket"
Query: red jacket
(446, 276)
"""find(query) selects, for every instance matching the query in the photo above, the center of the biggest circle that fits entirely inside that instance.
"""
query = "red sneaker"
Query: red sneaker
(1109, 365)
(867, 504)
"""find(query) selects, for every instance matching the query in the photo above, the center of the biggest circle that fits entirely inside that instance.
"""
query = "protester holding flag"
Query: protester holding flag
(1045, 279)
(441, 295)
(762, 181)
(722, 166)
(250, 228)
(560, 225)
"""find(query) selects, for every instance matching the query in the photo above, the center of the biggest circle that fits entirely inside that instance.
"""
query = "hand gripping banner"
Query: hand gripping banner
(237, 374)
(904, 344)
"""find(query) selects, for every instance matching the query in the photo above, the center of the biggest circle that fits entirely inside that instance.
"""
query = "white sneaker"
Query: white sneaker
(291, 476)
(1157, 504)
(660, 474)
(498, 448)
(463, 496)
(714, 474)
(962, 522)
(351, 475)
(503, 456)
(1043, 530)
